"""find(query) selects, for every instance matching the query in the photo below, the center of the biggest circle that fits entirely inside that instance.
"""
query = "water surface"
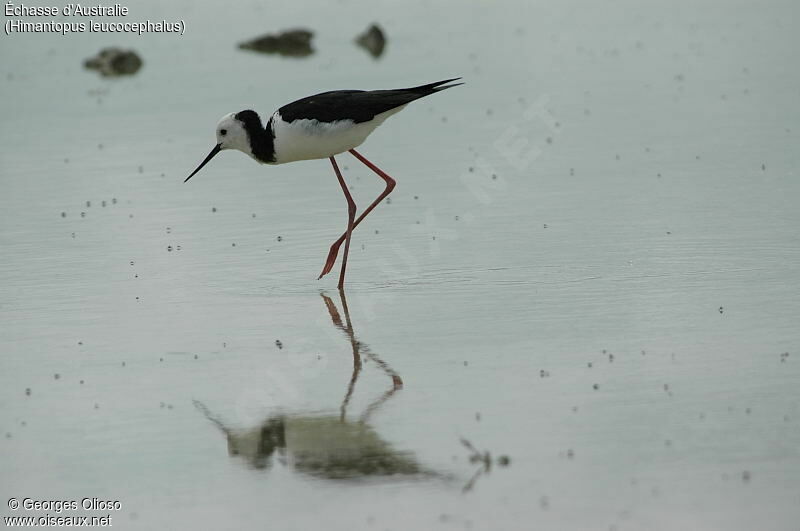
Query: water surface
(589, 266)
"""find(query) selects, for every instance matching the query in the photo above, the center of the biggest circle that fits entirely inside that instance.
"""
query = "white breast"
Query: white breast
(312, 139)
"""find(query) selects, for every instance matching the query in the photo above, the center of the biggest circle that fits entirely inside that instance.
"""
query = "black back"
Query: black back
(356, 105)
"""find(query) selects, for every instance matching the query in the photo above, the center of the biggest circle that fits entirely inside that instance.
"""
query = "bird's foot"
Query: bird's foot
(332, 254)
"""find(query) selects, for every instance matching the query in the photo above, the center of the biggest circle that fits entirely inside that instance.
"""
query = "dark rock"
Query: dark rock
(290, 43)
(111, 62)
(372, 40)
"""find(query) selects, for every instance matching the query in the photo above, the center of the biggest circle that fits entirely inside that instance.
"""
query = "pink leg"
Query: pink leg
(390, 184)
(351, 214)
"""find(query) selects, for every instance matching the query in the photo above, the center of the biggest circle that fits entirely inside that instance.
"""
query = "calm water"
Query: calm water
(589, 267)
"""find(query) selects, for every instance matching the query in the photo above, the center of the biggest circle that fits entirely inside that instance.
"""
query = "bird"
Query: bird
(319, 127)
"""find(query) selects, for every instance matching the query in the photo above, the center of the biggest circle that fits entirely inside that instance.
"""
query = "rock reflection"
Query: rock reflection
(326, 446)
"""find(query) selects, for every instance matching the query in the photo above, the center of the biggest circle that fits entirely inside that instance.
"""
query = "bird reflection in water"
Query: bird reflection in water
(327, 446)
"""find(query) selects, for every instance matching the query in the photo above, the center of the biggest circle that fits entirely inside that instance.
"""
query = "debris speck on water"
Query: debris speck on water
(289, 43)
(372, 40)
(544, 503)
(278, 343)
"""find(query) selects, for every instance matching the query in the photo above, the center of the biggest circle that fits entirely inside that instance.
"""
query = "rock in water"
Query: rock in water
(373, 40)
(112, 62)
(290, 43)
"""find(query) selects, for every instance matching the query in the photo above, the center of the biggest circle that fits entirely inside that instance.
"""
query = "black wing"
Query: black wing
(356, 105)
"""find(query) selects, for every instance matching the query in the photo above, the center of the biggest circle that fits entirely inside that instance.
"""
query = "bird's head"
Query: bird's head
(232, 134)
(234, 131)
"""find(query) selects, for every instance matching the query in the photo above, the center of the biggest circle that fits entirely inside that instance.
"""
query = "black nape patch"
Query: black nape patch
(261, 141)
(250, 119)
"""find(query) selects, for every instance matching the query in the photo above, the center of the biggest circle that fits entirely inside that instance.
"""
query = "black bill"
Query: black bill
(210, 156)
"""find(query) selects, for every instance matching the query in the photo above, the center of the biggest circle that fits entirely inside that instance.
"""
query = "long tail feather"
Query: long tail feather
(435, 87)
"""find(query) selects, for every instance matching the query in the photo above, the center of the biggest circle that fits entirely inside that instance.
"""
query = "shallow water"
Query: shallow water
(589, 266)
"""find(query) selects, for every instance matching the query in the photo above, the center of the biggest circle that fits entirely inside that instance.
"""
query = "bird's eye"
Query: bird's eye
(223, 132)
